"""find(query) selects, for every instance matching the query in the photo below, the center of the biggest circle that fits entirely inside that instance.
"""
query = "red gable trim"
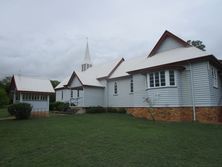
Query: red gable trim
(165, 35)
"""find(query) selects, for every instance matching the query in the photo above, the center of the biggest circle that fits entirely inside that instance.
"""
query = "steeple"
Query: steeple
(87, 60)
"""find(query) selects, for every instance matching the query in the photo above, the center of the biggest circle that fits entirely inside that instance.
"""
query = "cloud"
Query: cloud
(47, 38)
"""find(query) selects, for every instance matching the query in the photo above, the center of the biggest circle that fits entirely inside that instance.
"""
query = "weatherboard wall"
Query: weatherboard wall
(123, 97)
(215, 92)
(168, 44)
(66, 95)
(201, 86)
(75, 83)
(40, 106)
(93, 96)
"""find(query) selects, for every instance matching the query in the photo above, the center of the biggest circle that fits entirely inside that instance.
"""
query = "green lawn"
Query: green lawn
(108, 140)
(3, 112)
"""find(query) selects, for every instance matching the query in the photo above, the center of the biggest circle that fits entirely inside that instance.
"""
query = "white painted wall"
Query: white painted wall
(38, 105)
(93, 96)
(66, 95)
(123, 98)
(168, 44)
(75, 83)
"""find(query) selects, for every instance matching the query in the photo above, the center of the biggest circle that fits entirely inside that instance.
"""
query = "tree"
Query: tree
(4, 99)
(197, 43)
(54, 84)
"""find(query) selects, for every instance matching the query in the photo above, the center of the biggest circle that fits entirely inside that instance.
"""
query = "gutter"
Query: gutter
(192, 93)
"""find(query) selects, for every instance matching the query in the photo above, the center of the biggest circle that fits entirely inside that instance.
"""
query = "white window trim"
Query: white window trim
(131, 82)
(214, 74)
(115, 93)
(167, 80)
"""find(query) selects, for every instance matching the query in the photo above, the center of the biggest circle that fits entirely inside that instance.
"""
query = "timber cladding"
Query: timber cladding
(203, 114)
(39, 114)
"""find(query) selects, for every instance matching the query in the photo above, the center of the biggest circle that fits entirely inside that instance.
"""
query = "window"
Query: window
(157, 79)
(77, 93)
(172, 77)
(161, 79)
(17, 96)
(131, 85)
(115, 88)
(215, 77)
(151, 80)
(33, 97)
(71, 94)
(62, 95)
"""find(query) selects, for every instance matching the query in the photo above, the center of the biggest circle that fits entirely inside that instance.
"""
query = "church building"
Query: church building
(177, 80)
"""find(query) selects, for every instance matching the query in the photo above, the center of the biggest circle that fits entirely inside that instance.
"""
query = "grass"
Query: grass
(3, 112)
(108, 140)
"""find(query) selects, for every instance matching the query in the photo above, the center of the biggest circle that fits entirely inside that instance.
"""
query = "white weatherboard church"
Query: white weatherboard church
(173, 75)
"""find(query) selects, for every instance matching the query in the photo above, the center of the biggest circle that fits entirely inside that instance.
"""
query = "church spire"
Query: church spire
(87, 60)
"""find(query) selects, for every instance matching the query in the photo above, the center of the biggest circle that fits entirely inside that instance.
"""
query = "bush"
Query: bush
(97, 109)
(59, 106)
(116, 110)
(20, 110)
(4, 99)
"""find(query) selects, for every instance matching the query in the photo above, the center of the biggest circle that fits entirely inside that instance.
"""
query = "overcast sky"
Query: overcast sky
(47, 38)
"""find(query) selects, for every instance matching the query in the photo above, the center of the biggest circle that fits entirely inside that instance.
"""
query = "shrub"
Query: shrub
(97, 109)
(59, 106)
(116, 110)
(20, 110)
(4, 99)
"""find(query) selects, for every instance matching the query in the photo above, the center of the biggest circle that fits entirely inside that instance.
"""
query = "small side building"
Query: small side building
(34, 91)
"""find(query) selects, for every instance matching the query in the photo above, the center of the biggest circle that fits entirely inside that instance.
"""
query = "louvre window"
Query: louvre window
(131, 84)
(115, 88)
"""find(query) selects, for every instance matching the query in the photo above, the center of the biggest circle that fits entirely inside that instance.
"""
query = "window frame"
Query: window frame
(131, 85)
(115, 88)
(163, 78)
(214, 74)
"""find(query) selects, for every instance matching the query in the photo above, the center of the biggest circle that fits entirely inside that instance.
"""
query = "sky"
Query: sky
(47, 38)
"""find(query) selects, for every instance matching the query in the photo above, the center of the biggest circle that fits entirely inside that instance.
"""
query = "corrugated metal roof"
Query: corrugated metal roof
(33, 84)
(162, 58)
(61, 84)
(91, 75)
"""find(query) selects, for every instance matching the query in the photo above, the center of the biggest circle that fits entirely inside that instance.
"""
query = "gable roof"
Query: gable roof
(166, 35)
(29, 84)
(91, 76)
(171, 56)
(122, 70)
(61, 84)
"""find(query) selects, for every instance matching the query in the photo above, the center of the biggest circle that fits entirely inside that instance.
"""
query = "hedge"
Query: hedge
(20, 110)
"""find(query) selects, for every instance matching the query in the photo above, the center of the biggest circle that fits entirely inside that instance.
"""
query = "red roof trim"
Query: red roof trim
(165, 35)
